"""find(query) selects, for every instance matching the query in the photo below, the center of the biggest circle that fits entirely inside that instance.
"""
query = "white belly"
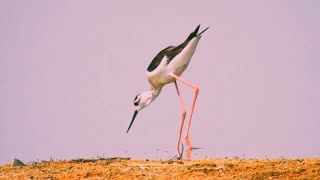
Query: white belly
(180, 63)
(161, 75)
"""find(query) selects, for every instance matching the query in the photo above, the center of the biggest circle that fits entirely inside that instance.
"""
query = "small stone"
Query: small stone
(17, 162)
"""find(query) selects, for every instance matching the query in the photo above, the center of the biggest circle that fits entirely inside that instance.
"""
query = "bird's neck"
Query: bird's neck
(155, 92)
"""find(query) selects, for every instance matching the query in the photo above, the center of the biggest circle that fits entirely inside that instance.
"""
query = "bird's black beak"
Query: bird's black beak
(134, 116)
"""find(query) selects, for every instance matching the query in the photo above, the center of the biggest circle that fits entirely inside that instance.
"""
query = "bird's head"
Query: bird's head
(141, 101)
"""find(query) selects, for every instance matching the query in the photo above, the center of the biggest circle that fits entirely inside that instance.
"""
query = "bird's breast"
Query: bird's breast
(159, 78)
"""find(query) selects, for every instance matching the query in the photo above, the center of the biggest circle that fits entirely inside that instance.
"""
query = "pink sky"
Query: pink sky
(69, 72)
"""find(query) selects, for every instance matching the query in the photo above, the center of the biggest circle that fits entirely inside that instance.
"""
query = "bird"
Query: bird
(165, 68)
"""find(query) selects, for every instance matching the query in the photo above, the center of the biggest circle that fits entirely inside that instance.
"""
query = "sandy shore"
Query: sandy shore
(122, 168)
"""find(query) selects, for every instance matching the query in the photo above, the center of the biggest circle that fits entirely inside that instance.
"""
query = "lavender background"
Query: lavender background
(69, 71)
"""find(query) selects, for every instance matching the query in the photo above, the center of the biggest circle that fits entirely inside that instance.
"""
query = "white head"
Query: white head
(143, 100)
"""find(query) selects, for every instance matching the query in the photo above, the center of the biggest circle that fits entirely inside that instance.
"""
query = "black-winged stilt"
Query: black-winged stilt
(165, 68)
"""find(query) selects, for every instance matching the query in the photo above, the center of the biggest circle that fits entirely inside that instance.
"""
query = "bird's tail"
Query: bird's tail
(203, 30)
(195, 33)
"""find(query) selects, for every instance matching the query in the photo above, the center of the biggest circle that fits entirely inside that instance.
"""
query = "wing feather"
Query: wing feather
(172, 51)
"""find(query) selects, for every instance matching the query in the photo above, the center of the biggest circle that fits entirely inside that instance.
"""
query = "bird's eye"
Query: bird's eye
(136, 100)
(136, 97)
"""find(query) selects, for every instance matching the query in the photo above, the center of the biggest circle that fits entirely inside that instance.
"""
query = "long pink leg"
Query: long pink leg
(196, 91)
(183, 116)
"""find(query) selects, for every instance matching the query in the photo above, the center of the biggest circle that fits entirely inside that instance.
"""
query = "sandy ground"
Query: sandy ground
(122, 168)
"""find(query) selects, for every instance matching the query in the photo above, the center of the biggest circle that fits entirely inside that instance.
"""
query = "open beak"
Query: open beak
(134, 116)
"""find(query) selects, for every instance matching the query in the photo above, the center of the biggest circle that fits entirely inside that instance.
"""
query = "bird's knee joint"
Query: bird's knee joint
(196, 90)
(184, 113)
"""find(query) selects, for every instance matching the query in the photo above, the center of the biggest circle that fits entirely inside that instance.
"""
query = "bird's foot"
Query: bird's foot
(186, 139)
(180, 153)
(189, 148)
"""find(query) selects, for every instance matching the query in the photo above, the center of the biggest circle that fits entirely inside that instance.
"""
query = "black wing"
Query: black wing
(157, 60)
